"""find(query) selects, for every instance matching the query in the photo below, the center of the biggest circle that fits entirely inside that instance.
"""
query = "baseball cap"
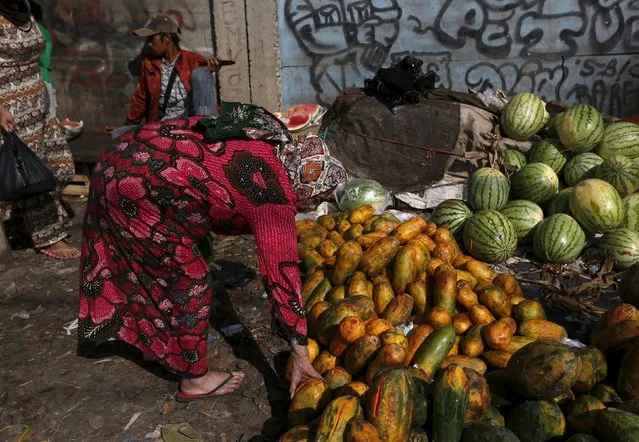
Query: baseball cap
(156, 24)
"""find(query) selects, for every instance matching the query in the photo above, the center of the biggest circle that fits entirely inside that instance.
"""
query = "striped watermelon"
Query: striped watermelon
(560, 203)
(621, 172)
(581, 167)
(488, 189)
(524, 215)
(535, 182)
(558, 239)
(620, 139)
(514, 158)
(451, 214)
(524, 116)
(580, 128)
(597, 206)
(549, 151)
(622, 245)
(631, 205)
(489, 236)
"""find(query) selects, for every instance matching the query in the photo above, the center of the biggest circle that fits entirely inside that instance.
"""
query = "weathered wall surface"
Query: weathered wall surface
(93, 46)
(516, 45)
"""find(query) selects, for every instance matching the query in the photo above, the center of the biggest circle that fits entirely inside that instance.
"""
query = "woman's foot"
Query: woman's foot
(212, 384)
(61, 250)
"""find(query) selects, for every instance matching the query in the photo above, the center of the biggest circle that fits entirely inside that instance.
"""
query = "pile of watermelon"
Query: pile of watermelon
(579, 184)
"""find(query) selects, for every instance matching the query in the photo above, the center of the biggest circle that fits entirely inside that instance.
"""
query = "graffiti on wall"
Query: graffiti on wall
(510, 44)
(93, 47)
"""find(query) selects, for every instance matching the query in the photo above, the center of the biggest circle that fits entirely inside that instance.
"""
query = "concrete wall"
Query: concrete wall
(516, 45)
(93, 46)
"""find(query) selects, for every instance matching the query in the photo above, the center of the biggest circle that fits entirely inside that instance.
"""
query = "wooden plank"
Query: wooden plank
(79, 186)
(5, 247)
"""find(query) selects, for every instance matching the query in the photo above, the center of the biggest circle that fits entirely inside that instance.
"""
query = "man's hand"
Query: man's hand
(302, 368)
(213, 64)
(7, 123)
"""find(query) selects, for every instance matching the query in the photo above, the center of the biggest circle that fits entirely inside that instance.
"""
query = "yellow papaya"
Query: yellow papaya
(336, 294)
(465, 298)
(353, 232)
(419, 292)
(445, 288)
(416, 338)
(361, 214)
(480, 270)
(311, 282)
(327, 248)
(379, 255)
(348, 259)
(361, 353)
(335, 238)
(378, 326)
(384, 225)
(398, 310)
(369, 239)
(309, 399)
(409, 229)
(404, 271)
(326, 221)
(541, 329)
(357, 285)
(382, 295)
(368, 224)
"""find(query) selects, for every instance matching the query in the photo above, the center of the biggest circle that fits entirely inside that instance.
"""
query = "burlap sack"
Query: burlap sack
(413, 150)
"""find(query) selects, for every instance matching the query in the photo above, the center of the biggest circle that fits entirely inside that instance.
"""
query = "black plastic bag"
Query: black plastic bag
(22, 173)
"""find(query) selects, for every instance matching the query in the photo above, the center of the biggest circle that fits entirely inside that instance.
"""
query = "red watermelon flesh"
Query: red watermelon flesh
(297, 122)
(309, 109)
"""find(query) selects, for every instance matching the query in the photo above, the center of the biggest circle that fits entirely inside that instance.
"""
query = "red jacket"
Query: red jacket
(146, 101)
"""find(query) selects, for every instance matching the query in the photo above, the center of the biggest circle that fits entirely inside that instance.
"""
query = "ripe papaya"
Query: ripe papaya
(409, 229)
(384, 225)
(446, 252)
(299, 433)
(348, 259)
(338, 347)
(343, 226)
(445, 288)
(442, 236)
(357, 285)
(594, 368)
(311, 282)
(353, 232)
(478, 395)
(368, 224)
(360, 430)
(356, 388)
(394, 336)
(463, 275)
(326, 221)
(433, 265)
(518, 342)
(335, 237)
(418, 290)
(361, 214)
(370, 238)
(361, 353)
(350, 329)
(335, 294)
(327, 248)
(389, 355)
(528, 309)
(304, 225)
(416, 338)
(581, 414)
(378, 326)
(465, 298)
(497, 335)
(462, 323)
(480, 270)
(496, 358)
(481, 315)
(389, 405)
(475, 364)
(438, 317)
(319, 293)
(324, 362)
(309, 399)
(461, 260)
(426, 241)
(496, 301)
(422, 255)
(379, 255)
(335, 417)
(508, 284)
(398, 309)
(337, 377)
(404, 270)
(542, 329)
(472, 343)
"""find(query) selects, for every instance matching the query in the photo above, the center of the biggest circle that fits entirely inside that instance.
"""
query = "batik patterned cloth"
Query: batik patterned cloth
(23, 93)
(155, 195)
(309, 164)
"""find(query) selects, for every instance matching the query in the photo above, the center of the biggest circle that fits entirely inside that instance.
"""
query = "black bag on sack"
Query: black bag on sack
(22, 173)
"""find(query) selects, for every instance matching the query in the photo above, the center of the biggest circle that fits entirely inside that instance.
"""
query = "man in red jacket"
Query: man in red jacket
(173, 83)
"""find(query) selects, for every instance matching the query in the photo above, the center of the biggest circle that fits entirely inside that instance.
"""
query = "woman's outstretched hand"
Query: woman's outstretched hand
(302, 368)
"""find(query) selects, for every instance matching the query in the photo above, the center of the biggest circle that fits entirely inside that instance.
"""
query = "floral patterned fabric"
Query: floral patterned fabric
(311, 168)
(155, 195)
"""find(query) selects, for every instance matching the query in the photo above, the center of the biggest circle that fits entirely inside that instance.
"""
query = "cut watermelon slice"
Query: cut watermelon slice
(304, 115)
(298, 122)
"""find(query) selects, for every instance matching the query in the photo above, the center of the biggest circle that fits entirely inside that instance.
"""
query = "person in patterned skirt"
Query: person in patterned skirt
(156, 194)
(24, 108)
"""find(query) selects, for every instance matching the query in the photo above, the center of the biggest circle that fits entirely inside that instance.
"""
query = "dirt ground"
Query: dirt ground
(61, 396)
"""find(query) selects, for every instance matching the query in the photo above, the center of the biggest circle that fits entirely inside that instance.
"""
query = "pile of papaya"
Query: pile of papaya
(417, 341)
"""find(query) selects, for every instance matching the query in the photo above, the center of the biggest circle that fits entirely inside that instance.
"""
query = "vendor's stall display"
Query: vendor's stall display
(414, 338)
